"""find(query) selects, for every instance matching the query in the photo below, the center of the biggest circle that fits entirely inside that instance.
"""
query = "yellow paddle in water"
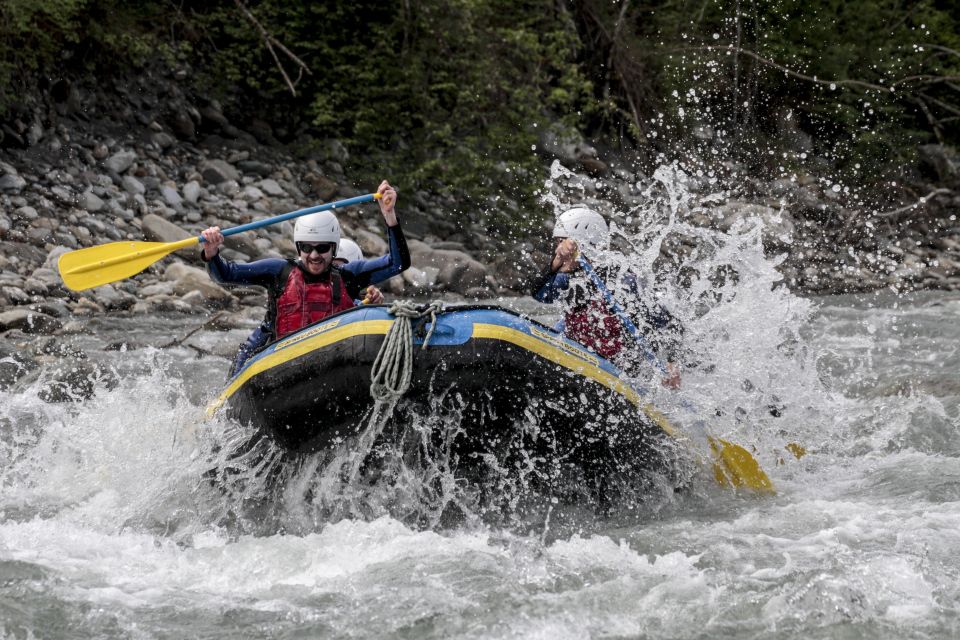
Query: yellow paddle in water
(733, 466)
(106, 263)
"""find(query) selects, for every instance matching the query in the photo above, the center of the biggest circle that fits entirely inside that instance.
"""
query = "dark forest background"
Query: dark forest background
(459, 96)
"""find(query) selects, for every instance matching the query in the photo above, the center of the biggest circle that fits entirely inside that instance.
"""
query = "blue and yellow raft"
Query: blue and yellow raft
(509, 380)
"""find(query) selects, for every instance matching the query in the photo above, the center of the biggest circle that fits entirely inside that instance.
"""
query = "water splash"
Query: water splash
(746, 365)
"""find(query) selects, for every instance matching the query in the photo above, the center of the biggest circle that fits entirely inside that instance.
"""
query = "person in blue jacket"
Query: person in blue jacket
(587, 318)
(312, 287)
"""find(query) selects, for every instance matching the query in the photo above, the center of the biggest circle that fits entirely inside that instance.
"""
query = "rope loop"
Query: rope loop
(393, 368)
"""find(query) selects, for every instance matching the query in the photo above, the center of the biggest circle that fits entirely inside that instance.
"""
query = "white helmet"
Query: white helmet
(349, 250)
(586, 226)
(317, 227)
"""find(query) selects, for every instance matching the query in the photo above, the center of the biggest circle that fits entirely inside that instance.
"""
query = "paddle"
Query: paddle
(95, 266)
(735, 466)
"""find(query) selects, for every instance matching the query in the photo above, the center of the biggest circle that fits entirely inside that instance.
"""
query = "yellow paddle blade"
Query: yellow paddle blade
(735, 466)
(95, 266)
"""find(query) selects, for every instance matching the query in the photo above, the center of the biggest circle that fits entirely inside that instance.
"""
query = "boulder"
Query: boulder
(120, 161)
(28, 321)
(191, 191)
(171, 196)
(323, 187)
(217, 171)
(133, 186)
(515, 270)
(244, 243)
(68, 381)
(371, 244)
(12, 183)
(158, 229)
(272, 188)
(457, 271)
(15, 363)
(186, 279)
(90, 202)
(111, 299)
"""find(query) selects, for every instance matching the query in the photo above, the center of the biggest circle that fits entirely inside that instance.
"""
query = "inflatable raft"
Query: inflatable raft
(508, 379)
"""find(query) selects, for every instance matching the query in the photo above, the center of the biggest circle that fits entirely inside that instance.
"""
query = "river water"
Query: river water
(108, 528)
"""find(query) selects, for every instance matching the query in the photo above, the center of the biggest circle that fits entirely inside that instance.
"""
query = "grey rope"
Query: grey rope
(393, 368)
(390, 377)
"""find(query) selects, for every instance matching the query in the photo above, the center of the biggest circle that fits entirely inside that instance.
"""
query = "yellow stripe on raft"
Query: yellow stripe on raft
(298, 347)
(562, 354)
(567, 358)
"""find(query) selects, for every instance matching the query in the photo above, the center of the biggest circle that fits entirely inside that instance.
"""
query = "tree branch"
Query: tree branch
(922, 201)
(787, 70)
(269, 41)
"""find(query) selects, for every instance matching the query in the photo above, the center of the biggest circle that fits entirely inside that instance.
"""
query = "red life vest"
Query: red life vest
(303, 303)
(592, 325)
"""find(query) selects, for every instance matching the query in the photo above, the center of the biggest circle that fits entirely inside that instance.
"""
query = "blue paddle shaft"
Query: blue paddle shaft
(624, 318)
(370, 197)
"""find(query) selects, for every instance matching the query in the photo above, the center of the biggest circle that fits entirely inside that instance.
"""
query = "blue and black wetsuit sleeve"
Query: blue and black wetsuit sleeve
(548, 285)
(360, 274)
(261, 273)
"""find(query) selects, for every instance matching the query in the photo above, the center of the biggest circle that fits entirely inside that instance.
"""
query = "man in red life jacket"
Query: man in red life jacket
(303, 291)
(587, 318)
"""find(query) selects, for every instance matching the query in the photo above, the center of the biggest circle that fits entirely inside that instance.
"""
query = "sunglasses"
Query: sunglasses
(319, 247)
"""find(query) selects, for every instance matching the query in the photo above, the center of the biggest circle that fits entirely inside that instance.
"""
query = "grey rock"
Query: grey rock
(171, 196)
(28, 321)
(51, 259)
(15, 363)
(89, 201)
(70, 381)
(133, 186)
(35, 287)
(111, 299)
(160, 230)
(120, 161)
(183, 126)
(12, 183)
(457, 271)
(272, 187)
(64, 195)
(15, 294)
(229, 188)
(262, 169)
(25, 213)
(40, 235)
(252, 193)
(53, 308)
(191, 191)
(186, 279)
(163, 139)
(217, 171)
(151, 183)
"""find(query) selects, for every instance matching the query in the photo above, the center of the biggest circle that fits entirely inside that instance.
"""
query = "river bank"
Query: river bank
(152, 161)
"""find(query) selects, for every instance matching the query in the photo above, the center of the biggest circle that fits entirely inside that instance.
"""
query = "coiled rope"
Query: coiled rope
(393, 368)
(390, 378)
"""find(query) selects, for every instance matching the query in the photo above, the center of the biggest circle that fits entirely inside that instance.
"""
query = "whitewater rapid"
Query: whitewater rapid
(108, 529)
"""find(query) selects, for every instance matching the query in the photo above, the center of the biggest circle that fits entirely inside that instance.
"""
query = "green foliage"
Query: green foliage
(50, 37)
(442, 95)
(867, 79)
(448, 95)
